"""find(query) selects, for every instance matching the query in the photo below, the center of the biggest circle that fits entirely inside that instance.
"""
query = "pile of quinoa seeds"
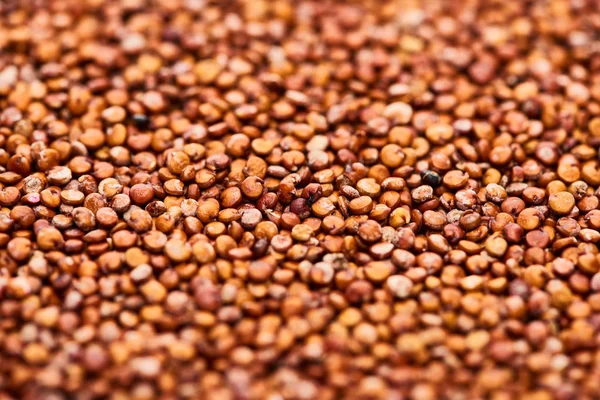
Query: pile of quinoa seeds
(298, 200)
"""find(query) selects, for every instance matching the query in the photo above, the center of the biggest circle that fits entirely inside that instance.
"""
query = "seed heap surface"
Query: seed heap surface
(283, 199)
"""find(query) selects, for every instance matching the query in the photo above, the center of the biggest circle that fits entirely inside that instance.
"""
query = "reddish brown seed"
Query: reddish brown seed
(50, 239)
(260, 271)
(529, 218)
(24, 217)
(399, 286)
(361, 205)
(594, 127)
(177, 250)
(252, 187)
(141, 193)
(398, 112)
(561, 202)
(370, 231)
(19, 249)
(231, 197)
(106, 216)
(439, 133)
(455, 179)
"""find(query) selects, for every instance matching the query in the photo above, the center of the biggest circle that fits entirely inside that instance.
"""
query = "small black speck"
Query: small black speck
(141, 121)
(431, 178)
